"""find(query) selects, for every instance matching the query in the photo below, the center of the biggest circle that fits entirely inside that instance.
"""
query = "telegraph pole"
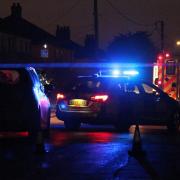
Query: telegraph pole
(96, 23)
(162, 49)
(162, 35)
(161, 24)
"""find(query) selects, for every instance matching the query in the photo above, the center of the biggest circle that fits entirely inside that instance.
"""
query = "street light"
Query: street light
(178, 43)
(45, 46)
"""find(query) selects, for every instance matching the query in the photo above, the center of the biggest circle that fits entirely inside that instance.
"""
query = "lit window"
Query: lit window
(44, 53)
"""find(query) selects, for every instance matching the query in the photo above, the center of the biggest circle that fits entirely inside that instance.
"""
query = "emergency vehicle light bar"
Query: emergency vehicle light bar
(117, 73)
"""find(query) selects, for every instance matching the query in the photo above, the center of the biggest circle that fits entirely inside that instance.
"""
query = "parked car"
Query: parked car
(120, 101)
(24, 106)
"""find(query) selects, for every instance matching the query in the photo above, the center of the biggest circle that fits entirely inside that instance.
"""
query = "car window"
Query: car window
(9, 77)
(132, 88)
(86, 85)
(149, 89)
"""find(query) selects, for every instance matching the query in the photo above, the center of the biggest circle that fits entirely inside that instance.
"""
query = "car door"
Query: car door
(129, 98)
(42, 99)
(154, 105)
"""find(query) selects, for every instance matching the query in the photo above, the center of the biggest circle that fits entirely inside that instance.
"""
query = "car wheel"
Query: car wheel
(174, 122)
(72, 124)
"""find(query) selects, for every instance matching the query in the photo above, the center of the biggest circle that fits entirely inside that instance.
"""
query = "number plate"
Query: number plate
(78, 102)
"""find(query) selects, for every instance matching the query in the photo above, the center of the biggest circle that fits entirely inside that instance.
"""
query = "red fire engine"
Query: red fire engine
(166, 74)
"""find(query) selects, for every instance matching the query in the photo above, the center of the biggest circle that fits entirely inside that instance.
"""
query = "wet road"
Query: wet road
(95, 152)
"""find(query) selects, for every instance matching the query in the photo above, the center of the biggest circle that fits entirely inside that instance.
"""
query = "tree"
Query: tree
(133, 48)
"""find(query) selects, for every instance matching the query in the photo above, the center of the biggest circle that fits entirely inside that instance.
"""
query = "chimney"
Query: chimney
(16, 10)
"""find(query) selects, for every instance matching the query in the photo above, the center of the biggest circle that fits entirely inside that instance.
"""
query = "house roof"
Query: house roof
(15, 24)
(23, 28)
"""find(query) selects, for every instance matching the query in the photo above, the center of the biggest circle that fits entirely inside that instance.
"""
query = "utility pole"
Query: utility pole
(161, 24)
(162, 49)
(162, 35)
(96, 23)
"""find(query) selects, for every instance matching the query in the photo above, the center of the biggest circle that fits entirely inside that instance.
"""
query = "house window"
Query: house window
(21, 46)
(26, 46)
(44, 53)
(1, 45)
(9, 44)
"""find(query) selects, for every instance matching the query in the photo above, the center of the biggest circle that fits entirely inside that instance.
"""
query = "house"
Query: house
(21, 40)
(63, 37)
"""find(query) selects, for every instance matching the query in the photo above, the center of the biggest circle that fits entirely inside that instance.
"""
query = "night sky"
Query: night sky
(78, 15)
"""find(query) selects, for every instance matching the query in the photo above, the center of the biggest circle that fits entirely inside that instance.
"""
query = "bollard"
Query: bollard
(137, 150)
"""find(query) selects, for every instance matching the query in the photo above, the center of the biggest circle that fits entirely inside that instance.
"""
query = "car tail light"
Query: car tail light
(99, 98)
(60, 96)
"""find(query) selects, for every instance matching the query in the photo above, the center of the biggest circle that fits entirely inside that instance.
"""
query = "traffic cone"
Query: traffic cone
(137, 150)
(40, 148)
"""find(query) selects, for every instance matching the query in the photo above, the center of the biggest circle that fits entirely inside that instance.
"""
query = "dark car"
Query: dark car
(116, 100)
(24, 105)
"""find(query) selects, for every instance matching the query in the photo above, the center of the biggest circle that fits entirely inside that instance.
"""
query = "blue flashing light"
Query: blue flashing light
(130, 72)
(77, 65)
(116, 73)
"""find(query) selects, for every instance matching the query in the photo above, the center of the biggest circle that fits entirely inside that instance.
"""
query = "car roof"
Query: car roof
(110, 78)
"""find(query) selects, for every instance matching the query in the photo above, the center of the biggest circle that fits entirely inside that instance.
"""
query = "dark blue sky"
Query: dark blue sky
(78, 15)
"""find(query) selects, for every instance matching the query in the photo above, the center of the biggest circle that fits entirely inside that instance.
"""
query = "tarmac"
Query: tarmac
(93, 155)
(157, 161)
(158, 158)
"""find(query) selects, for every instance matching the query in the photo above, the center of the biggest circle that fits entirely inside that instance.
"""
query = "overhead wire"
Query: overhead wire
(66, 13)
(127, 17)
(80, 34)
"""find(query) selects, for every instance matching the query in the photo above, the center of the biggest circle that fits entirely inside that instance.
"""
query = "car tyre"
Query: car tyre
(72, 124)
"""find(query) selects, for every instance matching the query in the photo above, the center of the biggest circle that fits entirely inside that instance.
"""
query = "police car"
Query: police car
(119, 99)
